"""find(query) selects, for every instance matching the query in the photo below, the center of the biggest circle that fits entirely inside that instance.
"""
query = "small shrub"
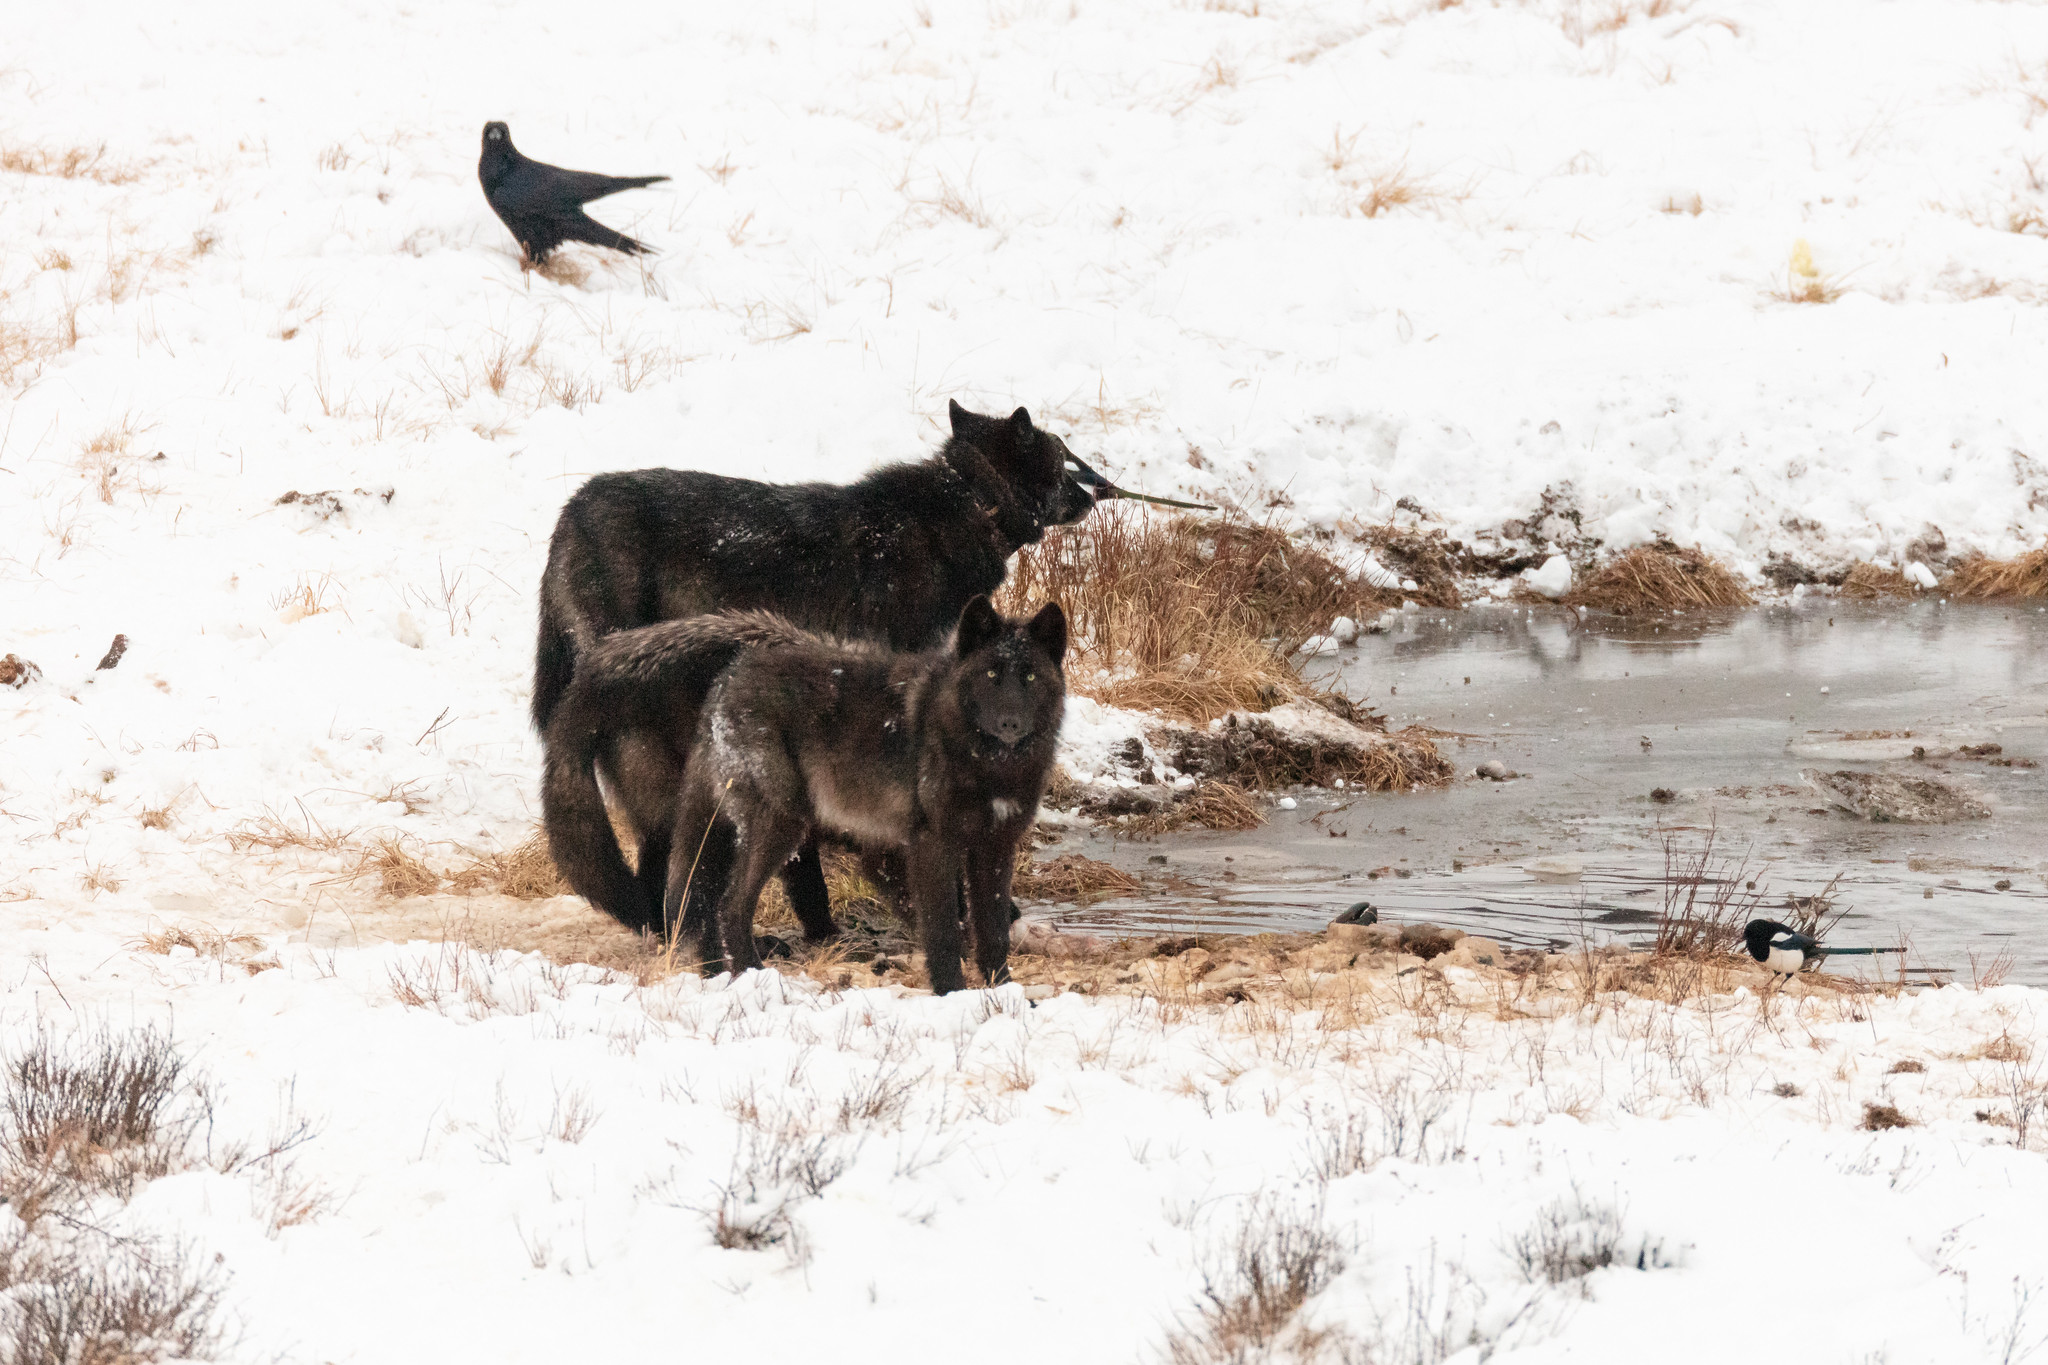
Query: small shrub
(103, 1301)
(92, 1111)
(1279, 1259)
(1571, 1239)
(1878, 1117)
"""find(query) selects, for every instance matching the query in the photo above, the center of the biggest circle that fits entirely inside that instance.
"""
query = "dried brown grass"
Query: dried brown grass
(1981, 577)
(1071, 878)
(1660, 578)
(1216, 805)
(67, 163)
(1253, 752)
(1191, 617)
(527, 872)
(400, 871)
(1866, 581)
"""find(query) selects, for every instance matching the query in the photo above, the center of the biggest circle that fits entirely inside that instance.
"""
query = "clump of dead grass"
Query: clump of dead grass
(1216, 805)
(1253, 752)
(527, 872)
(399, 871)
(1867, 581)
(1981, 577)
(1071, 878)
(67, 163)
(1192, 617)
(1660, 578)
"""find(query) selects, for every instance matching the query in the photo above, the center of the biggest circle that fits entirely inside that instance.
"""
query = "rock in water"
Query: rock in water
(1888, 797)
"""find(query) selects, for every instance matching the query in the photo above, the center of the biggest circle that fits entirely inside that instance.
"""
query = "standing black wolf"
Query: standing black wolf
(893, 557)
(942, 754)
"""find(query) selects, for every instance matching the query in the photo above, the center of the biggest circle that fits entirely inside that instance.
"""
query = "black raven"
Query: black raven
(543, 204)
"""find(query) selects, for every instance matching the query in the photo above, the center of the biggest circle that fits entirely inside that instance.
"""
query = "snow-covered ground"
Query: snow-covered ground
(511, 1161)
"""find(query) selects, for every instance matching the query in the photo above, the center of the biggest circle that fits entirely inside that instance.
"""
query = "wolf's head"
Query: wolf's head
(1008, 677)
(1031, 462)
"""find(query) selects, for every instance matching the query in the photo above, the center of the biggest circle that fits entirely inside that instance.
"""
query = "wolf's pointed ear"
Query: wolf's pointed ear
(1020, 422)
(1048, 630)
(958, 415)
(978, 625)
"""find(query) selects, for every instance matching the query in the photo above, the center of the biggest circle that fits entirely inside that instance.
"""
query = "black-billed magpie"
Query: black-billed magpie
(1782, 950)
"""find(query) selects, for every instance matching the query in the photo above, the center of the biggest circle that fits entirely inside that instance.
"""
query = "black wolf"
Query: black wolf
(543, 204)
(893, 557)
(942, 754)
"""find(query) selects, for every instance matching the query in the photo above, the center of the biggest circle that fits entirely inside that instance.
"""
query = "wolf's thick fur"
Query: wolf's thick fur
(942, 754)
(892, 557)
(633, 710)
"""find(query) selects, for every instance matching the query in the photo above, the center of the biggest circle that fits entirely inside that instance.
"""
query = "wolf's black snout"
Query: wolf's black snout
(1009, 729)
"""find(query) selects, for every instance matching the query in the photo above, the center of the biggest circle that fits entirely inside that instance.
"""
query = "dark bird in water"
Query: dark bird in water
(543, 204)
(1782, 950)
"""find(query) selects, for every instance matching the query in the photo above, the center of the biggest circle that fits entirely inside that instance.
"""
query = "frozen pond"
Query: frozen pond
(1721, 712)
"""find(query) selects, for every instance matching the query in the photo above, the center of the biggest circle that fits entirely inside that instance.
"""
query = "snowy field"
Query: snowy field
(501, 1160)
(1762, 278)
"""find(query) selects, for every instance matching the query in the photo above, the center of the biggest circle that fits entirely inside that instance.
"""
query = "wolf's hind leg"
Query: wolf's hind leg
(763, 841)
(803, 880)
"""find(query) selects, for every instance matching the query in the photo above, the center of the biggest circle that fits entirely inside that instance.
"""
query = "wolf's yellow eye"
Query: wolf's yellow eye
(991, 672)
(1030, 677)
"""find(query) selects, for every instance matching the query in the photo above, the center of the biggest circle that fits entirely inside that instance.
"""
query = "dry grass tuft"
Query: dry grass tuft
(68, 163)
(270, 832)
(1878, 1117)
(526, 873)
(1071, 878)
(1866, 580)
(1191, 617)
(1660, 578)
(1981, 577)
(1253, 752)
(1216, 805)
(400, 872)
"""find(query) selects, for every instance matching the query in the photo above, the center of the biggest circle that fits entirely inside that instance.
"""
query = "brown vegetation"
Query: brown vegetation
(1866, 580)
(1215, 804)
(1071, 877)
(1254, 752)
(1188, 616)
(1660, 577)
(1981, 577)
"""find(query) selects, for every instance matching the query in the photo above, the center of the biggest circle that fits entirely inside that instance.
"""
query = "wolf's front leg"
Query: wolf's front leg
(699, 867)
(990, 866)
(935, 893)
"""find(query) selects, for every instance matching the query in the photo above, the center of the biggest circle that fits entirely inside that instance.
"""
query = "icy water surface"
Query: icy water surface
(1721, 711)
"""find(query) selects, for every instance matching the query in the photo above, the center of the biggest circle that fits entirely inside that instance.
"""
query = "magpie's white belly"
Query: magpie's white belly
(1785, 960)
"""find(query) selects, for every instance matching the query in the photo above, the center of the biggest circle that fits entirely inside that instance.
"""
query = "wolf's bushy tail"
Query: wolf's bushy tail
(654, 678)
(554, 663)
